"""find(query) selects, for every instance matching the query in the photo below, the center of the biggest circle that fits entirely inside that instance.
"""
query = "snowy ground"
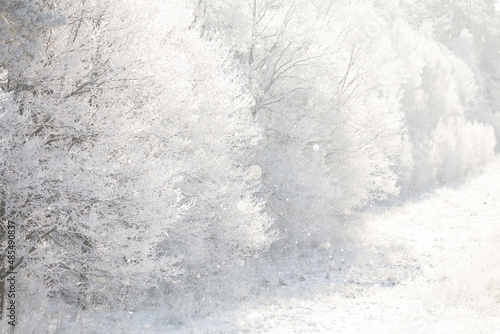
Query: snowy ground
(431, 265)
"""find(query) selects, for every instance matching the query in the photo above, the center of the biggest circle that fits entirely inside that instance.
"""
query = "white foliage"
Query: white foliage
(136, 159)
(151, 150)
(441, 94)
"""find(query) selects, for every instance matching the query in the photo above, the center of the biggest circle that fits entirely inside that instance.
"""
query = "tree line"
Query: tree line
(150, 148)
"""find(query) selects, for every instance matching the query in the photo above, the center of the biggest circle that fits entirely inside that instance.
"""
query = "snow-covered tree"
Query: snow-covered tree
(446, 111)
(23, 26)
(324, 94)
(471, 30)
(126, 164)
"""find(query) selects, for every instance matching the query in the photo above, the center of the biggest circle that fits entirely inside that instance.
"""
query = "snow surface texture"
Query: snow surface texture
(430, 265)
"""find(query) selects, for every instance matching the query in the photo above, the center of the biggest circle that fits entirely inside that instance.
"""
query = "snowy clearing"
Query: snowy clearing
(427, 266)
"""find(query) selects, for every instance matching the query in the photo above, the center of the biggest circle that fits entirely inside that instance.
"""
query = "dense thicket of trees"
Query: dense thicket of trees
(127, 144)
(150, 149)
(360, 106)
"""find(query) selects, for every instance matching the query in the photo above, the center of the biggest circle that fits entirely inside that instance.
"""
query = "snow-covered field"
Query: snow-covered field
(429, 265)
